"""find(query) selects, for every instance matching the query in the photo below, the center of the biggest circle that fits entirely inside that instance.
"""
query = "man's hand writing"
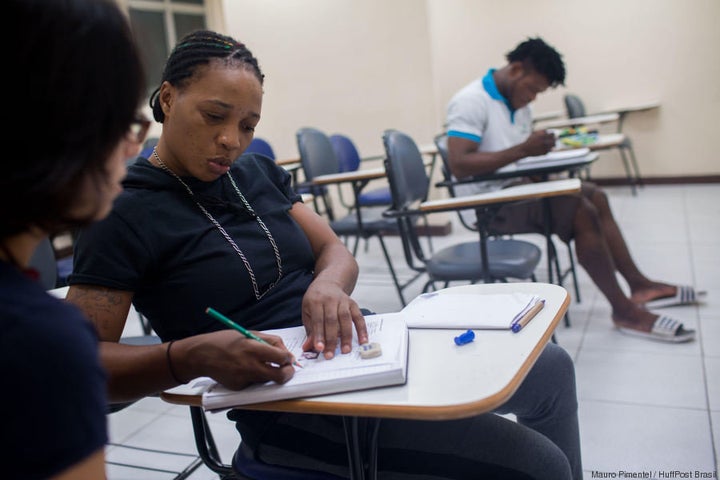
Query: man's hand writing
(540, 142)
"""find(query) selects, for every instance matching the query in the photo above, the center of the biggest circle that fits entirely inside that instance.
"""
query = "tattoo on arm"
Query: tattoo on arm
(107, 308)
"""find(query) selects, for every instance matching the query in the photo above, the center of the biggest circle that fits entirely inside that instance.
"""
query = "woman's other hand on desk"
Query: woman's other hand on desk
(329, 315)
(539, 142)
(233, 359)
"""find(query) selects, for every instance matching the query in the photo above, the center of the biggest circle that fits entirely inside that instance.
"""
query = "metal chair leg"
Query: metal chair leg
(628, 171)
(571, 256)
(355, 460)
(206, 445)
(633, 162)
(392, 271)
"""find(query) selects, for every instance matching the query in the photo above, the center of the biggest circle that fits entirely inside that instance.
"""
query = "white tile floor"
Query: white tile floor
(644, 406)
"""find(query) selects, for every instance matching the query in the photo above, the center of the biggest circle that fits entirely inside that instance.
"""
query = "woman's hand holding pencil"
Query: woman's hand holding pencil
(225, 320)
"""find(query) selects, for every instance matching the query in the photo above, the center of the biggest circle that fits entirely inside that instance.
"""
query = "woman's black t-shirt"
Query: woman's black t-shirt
(158, 244)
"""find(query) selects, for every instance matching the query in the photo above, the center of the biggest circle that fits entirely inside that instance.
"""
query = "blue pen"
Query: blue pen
(219, 316)
(529, 315)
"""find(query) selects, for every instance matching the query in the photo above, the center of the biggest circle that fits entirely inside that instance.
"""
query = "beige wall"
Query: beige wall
(339, 65)
(617, 52)
(361, 66)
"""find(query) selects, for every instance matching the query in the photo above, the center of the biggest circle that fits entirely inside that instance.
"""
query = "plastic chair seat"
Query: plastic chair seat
(507, 258)
(373, 223)
(375, 198)
(245, 465)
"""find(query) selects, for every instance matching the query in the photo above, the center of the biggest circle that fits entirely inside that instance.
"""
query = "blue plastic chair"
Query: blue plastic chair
(148, 147)
(349, 158)
(261, 146)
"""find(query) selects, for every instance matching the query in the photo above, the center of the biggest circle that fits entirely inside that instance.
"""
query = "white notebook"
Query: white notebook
(556, 155)
(455, 310)
(345, 372)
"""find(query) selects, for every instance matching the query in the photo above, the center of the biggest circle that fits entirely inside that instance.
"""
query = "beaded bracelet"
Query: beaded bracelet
(170, 365)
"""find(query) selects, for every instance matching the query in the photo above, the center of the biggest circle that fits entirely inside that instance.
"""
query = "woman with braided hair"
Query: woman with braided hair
(195, 227)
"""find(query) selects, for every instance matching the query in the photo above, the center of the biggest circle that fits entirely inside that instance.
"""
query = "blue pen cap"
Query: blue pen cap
(464, 338)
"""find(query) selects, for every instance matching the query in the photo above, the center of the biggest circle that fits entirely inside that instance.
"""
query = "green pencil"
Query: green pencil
(219, 316)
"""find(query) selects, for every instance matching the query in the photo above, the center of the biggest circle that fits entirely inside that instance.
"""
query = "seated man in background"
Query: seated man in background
(489, 125)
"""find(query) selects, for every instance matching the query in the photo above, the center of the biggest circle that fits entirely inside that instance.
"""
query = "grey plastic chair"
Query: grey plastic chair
(409, 184)
(318, 157)
(575, 108)
(553, 261)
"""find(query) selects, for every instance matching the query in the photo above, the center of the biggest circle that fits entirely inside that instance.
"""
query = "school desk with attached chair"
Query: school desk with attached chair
(428, 394)
(566, 163)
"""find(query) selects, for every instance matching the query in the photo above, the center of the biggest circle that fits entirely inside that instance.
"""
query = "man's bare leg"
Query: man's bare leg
(642, 289)
(596, 257)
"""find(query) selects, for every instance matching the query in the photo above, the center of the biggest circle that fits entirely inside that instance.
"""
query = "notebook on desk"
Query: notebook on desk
(345, 372)
(497, 311)
(556, 155)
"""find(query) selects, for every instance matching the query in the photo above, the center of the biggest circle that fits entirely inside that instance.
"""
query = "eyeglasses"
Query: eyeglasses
(137, 133)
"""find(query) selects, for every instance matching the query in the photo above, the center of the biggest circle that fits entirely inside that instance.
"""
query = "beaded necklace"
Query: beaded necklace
(246, 204)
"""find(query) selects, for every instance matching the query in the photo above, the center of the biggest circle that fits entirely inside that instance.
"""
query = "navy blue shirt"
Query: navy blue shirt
(54, 388)
(158, 244)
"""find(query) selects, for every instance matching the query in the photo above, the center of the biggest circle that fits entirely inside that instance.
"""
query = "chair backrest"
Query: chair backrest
(574, 106)
(347, 154)
(409, 182)
(148, 146)
(441, 144)
(261, 146)
(316, 153)
(45, 263)
(440, 141)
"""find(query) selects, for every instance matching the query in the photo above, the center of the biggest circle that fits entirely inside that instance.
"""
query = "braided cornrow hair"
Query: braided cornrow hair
(196, 49)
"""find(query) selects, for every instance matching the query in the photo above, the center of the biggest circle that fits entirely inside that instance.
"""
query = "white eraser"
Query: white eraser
(370, 350)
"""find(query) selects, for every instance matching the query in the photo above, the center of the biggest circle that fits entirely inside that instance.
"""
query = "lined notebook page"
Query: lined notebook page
(319, 376)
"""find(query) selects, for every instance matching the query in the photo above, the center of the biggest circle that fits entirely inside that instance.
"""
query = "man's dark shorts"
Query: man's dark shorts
(529, 217)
